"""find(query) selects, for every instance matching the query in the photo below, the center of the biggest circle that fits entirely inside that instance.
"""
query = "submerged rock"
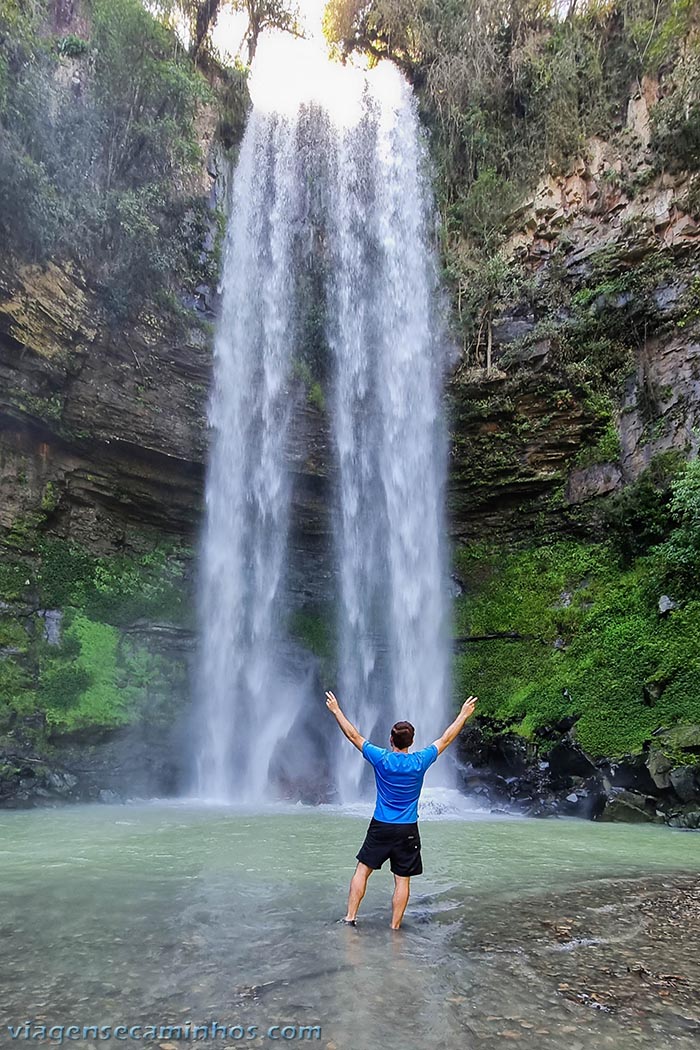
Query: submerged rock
(687, 818)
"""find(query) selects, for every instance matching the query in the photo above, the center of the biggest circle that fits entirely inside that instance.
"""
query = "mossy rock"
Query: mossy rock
(680, 738)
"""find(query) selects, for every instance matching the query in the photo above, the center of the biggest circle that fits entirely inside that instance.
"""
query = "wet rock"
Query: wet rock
(567, 759)
(588, 800)
(666, 297)
(659, 767)
(505, 754)
(61, 783)
(685, 781)
(485, 785)
(542, 808)
(632, 774)
(631, 808)
(590, 482)
(508, 329)
(651, 692)
(108, 797)
(687, 818)
(53, 619)
(680, 738)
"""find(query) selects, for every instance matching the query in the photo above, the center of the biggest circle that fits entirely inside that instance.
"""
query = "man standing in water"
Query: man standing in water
(393, 831)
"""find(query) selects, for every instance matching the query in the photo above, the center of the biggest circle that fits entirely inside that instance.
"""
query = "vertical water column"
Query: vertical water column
(244, 545)
(389, 352)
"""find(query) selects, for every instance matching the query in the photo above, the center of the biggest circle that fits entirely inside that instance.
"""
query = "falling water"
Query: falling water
(247, 493)
(344, 187)
(386, 339)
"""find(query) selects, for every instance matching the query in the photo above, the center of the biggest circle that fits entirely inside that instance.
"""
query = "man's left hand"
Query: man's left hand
(331, 703)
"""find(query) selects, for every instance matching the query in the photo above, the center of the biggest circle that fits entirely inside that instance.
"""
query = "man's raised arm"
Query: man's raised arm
(345, 724)
(453, 730)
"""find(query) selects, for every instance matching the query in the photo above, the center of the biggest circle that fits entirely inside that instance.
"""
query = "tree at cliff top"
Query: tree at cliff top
(200, 16)
(97, 166)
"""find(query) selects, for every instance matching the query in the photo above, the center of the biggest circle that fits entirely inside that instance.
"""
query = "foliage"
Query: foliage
(72, 46)
(513, 88)
(97, 675)
(82, 689)
(681, 549)
(610, 639)
(639, 516)
(102, 173)
(200, 16)
(116, 589)
(605, 450)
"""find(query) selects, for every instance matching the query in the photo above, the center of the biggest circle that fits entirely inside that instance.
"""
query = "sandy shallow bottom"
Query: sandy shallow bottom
(556, 934)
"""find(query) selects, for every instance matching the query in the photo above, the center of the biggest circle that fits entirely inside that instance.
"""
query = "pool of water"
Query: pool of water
(164, 914)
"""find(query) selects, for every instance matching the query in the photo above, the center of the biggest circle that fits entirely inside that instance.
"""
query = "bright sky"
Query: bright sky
(230, 27)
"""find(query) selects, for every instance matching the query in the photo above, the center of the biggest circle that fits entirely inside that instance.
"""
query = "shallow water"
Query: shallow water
(160, 914)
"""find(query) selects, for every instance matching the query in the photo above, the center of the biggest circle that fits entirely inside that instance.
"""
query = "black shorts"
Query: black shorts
(397, 843)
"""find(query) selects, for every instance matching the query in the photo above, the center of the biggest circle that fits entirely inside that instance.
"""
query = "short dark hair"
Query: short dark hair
(402, 734)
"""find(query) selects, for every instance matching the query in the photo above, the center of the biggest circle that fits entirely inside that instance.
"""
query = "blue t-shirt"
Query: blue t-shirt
(399, 780)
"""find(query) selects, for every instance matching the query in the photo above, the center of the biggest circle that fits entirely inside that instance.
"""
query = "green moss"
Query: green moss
(118, 589)
(315, 629)
(23, 533)
(12, 634)
(15, 687)
(84, 691)
(605, 450)
(316, 396)
(13, 577)
(611, 642)
(49, 497)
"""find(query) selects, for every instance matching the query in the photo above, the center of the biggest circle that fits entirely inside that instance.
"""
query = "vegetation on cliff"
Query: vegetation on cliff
(606, 632)
(71, 652)
(512, 89)
(100, 159)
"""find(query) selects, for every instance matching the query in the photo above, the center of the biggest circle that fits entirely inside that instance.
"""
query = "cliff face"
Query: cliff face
(113, 422)
(601, 339)
(103, 438)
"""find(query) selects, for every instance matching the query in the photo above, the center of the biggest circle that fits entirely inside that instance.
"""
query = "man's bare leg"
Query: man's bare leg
(402, 891)
(358, 885)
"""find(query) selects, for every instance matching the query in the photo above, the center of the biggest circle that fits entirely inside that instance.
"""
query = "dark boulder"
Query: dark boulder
(629, 807)
(687, 818)
(630, 773)
(567, 759)
(685, 781)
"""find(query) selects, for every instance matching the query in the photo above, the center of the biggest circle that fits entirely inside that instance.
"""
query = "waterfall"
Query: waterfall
(357, 173)
(247, 489)
(387, 344)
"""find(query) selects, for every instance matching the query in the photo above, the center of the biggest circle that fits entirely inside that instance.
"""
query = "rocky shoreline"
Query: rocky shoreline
(555, 777)
(550, 777)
